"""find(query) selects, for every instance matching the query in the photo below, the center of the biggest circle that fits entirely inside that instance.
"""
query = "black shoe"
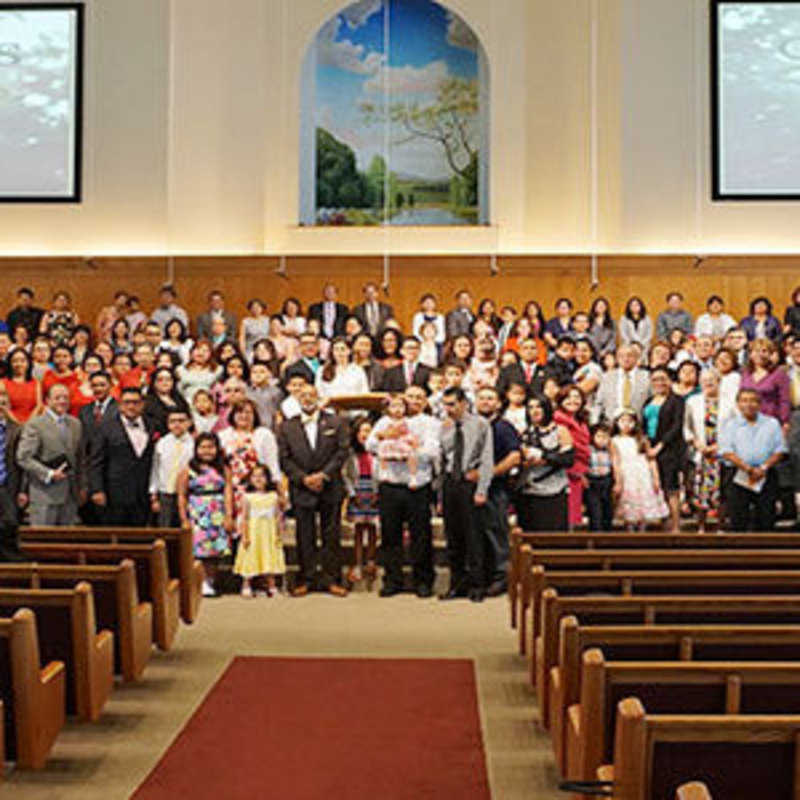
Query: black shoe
(477, 595)
(497, 588)
(9, 547)
(389, 590)
(457, 593)
(423, 590)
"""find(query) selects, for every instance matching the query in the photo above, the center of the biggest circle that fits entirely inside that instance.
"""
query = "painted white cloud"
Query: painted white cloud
(459, 34)
(408, 79)
(345, 54)
(358, 13)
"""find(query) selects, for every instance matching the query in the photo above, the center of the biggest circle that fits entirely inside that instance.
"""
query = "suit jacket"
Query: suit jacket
(315, 312)
(385, 312)
(203, 325)
(114, 467)
(515, 373)
(608, 392)
(41, 445)
(670, 432)
(458, 322)
(14, 476)
(394, 379)
(89, 429)
(299, 459)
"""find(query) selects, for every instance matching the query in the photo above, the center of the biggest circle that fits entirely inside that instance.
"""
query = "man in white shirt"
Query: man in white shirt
(171, 455)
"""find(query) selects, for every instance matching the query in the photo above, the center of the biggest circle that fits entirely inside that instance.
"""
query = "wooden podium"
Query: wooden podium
(373, 401)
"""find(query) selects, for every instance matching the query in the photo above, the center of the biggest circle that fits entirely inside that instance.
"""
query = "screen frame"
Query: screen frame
(75, 194)
(717, 194)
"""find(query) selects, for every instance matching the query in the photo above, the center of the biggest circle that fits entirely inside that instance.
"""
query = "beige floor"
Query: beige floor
(110, 758)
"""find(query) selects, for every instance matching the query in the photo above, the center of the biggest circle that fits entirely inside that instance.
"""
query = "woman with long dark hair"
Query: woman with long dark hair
(23, 390)
(602, 330)
(760, 322)
(571, 414)
(162, 398)
(635, 326)
(339, 375)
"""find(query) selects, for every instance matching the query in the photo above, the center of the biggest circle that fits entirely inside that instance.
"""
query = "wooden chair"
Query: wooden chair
(736, 756)
(33, 698)
(656, 643)
(665, 687)
(153, 581)
(116, 599)
(637, 541)
(67, 632)
(649, 559)
(657, 582)
(693, 791)
(180, 553)
(705, 610)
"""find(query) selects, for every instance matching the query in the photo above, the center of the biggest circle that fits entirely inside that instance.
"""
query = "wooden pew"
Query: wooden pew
(116, 599)
(657, 582)
(180, 553)
(736, 756)
(693, 791)
(637, 541)
(65, 621)
(656, 643)
(153, 581)
(33, 698)
(649, 559)
(705, 609)
(730, 687)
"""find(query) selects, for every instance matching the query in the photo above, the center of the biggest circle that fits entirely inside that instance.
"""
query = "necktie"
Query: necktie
(174, 467)
(626, 391)
(796, 388)
(372, 318)
(528, 372)
(63, 431)
(98, 413)
(457, 470)
(307, 419)
(409, 374)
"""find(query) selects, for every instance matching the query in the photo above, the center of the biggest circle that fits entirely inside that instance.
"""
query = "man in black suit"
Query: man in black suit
(12, 497)
(410, 372)
(313, 448)
(330, 314)
(526, 373)
(24, 314)
(120, 461)
(92, 417)
(372, 314)
(308, 364)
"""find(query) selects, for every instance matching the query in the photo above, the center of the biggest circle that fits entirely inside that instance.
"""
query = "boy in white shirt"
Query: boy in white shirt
(290, 407)
(171, 455)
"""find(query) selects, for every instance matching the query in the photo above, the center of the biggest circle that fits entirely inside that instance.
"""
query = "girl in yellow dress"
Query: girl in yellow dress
(261, 526)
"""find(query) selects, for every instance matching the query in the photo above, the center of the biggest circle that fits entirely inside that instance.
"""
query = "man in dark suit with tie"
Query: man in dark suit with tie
(120, 461)
(330, 314)
(526, 373)
(410, 372)
(92, 417)
(313, 448)
(372, 314)
(308, 364)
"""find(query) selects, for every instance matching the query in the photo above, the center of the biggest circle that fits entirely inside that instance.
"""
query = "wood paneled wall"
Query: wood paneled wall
(92, 283)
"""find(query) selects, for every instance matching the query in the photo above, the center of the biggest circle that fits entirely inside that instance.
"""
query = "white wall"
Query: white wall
(191, 135)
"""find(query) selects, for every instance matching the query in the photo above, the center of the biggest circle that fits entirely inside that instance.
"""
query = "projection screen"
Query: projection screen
(40, 102)
(755, 100)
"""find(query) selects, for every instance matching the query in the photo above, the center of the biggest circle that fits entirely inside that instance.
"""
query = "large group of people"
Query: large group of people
(227, 425)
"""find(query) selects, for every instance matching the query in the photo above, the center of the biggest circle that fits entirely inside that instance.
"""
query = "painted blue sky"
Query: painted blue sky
(426, 44)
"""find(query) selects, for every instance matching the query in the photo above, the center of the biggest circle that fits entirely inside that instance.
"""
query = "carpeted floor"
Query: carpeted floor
(330, 727)
(109, 759)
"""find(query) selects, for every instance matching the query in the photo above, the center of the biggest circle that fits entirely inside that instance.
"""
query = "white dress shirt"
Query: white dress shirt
(351, 380)
(137, 434)
(170, 456)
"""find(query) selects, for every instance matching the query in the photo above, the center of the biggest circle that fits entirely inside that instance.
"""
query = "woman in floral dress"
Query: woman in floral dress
(205, 504)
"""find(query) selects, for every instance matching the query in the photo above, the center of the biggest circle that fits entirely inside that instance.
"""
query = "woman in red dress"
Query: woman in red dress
(62, 371)
(24, 391)
(571, 414)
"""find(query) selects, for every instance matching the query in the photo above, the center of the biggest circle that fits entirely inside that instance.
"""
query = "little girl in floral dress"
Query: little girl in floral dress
(362, 506)
(636, 483)
(205, 505)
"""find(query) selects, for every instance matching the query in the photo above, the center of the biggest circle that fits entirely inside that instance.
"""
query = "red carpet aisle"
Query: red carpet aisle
(303, 729)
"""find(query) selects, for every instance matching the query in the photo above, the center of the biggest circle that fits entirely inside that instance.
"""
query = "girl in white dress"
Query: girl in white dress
(636, 483)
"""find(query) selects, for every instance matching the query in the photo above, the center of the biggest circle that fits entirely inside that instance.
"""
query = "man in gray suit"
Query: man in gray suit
(49, 452)
(459, 321)
(627, 386)
(216, 310)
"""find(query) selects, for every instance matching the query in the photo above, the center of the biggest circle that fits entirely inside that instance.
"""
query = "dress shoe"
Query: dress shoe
(456, 593)
(389, 590)
(337, 591)
(300, 591)
(497, 588)
(423, 590)
(477, 595)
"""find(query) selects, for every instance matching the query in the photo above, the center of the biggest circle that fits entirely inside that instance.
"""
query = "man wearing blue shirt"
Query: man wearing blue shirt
(753, 443)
